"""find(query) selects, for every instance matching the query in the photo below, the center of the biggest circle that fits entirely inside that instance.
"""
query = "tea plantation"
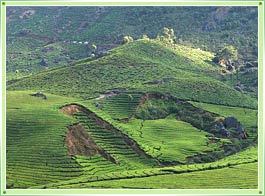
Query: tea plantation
(144, 115)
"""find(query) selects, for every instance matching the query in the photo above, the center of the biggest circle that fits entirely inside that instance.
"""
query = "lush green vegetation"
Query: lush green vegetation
(171, 177)
(163, 139)
(35, 143)
(133, 66)
(120, 106)
(30, 30)
(115, 145)
(150, 113)
(248, 117)
(167, 139)
(212, 179)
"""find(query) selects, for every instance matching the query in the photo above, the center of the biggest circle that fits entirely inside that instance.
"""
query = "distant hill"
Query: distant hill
(40, 38)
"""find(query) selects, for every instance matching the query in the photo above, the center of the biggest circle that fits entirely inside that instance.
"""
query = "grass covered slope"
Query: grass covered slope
(159, 138)
(141, 112)
(210, 179)
(137, 66)
(35, 146)
(163, 127)
(37, 151)
(227, 172)
(169, 140)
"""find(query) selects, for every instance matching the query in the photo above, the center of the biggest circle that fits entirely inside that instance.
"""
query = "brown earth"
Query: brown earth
(79, 142)
(72, 108)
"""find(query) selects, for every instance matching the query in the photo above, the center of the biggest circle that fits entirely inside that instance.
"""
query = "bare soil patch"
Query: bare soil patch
(79, 142)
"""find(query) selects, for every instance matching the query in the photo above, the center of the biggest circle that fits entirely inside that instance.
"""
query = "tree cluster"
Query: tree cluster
(127, 39)
(227, 54)
(167, 36)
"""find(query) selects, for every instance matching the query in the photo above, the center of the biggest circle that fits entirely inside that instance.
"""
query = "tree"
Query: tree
(94, 47)
(167, 36)
(228, 54)
(127, 39)
(145, 37)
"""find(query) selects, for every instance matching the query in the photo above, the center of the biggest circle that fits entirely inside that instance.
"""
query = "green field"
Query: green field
(37, 127)
(216, 179)
(148, 114)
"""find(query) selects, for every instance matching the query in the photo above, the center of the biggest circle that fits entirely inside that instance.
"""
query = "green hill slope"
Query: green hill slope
(142, 111)
(143, 66)
(37, 134)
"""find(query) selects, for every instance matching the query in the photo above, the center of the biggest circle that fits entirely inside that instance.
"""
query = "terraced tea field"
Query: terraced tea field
(216, 179)
(227, 174)
(145, 115)
(37, 127)
(36, 153)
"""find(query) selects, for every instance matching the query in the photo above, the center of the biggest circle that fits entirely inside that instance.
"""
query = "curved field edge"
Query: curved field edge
(55, 103)
(244, 115)
(224, 178)
(243, 158)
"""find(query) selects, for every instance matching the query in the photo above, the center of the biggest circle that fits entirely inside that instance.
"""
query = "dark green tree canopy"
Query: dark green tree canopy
(227, 53)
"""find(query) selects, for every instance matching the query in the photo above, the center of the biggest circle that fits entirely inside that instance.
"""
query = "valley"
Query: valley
(103, 110)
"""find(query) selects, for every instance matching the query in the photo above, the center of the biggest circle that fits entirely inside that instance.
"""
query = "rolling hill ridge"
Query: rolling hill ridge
(144, 112)
(134, 67)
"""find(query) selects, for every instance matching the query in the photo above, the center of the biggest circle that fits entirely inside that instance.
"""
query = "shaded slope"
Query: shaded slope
(131, 67)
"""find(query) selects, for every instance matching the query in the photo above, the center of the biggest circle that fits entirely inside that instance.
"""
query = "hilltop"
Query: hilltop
(141, 66)
(41, 38)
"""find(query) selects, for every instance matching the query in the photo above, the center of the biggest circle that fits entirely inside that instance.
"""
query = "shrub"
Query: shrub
(127, 39)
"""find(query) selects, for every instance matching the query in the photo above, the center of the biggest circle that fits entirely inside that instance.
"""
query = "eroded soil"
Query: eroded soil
(72, 108)
(79, 142)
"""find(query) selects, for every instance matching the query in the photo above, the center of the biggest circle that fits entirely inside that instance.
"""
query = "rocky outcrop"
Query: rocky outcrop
(44, 62)
(230, 124)
(39, 94)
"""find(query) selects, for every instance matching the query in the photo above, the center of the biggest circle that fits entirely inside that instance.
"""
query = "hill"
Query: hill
(145, 110)
(40, 38)
(141, 66)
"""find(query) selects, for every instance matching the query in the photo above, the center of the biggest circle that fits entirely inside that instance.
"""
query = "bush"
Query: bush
(127, 39)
